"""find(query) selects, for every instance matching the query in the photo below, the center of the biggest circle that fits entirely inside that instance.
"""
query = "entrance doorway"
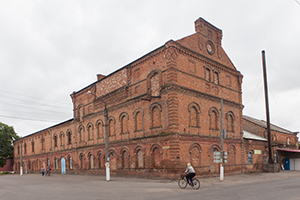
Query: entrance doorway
(63, 166)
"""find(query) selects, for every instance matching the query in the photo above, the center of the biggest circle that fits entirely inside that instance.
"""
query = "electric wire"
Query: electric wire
(32, 97)
(23, 118)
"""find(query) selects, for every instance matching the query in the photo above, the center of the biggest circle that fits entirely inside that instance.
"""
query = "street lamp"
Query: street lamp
(106, 138)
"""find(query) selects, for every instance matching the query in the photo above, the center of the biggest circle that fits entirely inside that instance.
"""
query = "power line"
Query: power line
(12, 117)
(297, 2)
(32, 97)
(22, 106)
(34, 102)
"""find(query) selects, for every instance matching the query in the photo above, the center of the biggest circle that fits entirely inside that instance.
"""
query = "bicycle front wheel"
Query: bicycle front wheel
(182, 183)
(196, 184)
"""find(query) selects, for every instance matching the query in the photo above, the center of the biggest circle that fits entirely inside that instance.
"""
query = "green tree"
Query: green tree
(7, 136)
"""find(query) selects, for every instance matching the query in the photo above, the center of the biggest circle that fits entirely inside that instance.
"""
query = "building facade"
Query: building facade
(164, 111)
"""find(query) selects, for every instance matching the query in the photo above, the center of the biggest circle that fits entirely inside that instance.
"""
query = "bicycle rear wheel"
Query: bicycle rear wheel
(196, 184)
(182, 183)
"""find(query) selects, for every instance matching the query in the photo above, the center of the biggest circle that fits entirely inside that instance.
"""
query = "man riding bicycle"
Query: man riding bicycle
(190, 172)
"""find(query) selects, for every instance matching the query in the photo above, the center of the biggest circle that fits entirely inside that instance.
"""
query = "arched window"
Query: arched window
(231, 155)
(25, 148)
(56, 163)
(99, 127)
(55, 140)
(154, 83)
(69, 136)
(124, 123)
(138, 119)
(91, 161)
(195, 154)
(194, 115)
(140, 158)
(250, 154)
(216, 77)
(81, 134)
(90, 131)
(125, 158)
(80, 112)
(230, 122)
(111, 127)
(61, 138)
(207, 74)
(101, 159)
(70, 162)
(288, 141)
(213, 119)
(155, 112)
(43, 143)
(32, 146)
(156, 157)
(18, 150)
(81, 159)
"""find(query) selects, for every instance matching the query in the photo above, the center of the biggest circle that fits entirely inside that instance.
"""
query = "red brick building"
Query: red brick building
(163, 111)
(255, 134)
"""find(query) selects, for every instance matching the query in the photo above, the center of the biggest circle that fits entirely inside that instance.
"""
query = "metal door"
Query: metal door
(63, 166)
(287, 164)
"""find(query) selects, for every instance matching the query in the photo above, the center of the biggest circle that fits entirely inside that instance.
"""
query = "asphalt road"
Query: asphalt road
(282, 185)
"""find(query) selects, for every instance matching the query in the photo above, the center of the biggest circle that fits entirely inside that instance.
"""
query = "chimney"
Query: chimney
(100, 76)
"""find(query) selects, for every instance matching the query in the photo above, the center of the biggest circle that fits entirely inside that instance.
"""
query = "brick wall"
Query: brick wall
(163, 111)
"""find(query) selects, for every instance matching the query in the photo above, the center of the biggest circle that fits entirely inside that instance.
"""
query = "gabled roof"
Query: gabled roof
(252, 136)
(263, 124)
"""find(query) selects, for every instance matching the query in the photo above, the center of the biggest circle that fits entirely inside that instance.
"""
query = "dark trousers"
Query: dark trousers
(189, 176)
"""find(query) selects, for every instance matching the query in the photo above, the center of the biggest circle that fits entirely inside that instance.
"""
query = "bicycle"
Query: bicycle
(182, 183)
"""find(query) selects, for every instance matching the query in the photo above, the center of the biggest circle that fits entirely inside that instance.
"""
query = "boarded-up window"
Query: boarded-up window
(99, 129)
(231, 154)
(213, 120)
(193, 117)
(91, 161)
(113, 162)
(155, 118)
(125, 160)
(139, 121)
(156, 158)
(230, 123)
(140, 159)
(195, 157)
(111, 128)
(124, 124)
(155, 87)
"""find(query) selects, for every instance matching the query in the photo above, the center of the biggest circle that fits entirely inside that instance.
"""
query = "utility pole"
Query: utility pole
(21, 166)
(106, 143)
(221, 139)
(105, 112)
(267, 107)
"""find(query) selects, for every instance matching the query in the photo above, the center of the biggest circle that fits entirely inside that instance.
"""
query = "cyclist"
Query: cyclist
(190, 172)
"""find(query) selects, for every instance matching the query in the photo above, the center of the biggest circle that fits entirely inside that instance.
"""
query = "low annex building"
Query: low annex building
(163, 112)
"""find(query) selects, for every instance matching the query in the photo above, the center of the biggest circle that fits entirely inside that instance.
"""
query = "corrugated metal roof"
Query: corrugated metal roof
(252, 136)
(264, 125)
(289, 150)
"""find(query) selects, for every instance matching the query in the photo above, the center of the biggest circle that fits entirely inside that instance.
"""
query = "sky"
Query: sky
(50, 48)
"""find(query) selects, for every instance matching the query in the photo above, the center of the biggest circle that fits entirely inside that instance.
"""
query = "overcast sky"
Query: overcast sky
(48, 49)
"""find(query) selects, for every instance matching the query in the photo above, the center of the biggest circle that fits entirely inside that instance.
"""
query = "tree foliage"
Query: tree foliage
(7, 136)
